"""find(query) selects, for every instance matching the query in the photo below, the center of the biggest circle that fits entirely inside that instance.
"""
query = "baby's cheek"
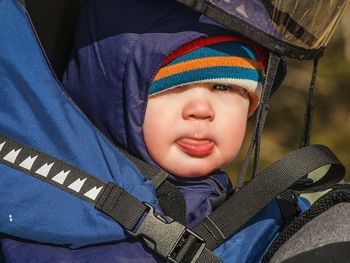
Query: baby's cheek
(233, 143)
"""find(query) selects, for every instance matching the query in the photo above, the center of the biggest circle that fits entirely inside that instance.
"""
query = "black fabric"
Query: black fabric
(288, 204)
(192, 251)
(207, 257)
(262, 189)
(54, 22)
(155, 174)
(169, 197)
(341, 193)
(121, 206)
(187, 251)
(2, 259)
(172, 202)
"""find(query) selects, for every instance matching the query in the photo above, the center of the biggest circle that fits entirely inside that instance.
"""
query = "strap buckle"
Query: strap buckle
(168, 238)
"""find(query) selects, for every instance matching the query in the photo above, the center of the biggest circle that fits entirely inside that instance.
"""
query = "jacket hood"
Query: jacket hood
(119, 47)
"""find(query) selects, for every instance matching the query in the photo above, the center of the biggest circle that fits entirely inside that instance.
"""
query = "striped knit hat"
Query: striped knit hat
(223, 59)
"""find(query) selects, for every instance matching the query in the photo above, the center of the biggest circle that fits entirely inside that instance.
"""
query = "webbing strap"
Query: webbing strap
(262, 189)
(156, 175)
(306, 133)
(121, 206)
(261, 115)
(167, 237)
(271, 72)
(50, 170)
(169, 197)
(207, 257)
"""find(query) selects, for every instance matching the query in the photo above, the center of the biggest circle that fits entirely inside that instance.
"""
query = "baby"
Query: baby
(186, 114)
(199, 103)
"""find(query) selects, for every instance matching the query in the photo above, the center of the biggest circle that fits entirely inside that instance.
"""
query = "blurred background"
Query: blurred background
(331, 122)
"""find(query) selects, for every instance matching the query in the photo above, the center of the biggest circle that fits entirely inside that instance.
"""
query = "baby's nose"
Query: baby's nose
(198, 108)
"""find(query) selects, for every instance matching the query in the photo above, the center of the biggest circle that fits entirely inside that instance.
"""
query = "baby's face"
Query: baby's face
(193, 130)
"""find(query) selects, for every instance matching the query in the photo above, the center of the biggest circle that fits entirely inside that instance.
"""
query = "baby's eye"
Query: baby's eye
(229, 88)
(221, 87)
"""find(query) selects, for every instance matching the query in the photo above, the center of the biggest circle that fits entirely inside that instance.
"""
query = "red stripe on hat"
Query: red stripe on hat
(261, 53)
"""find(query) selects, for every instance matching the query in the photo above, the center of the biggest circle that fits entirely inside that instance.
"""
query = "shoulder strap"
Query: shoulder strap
(169, 239)
(169, 197)
(255, 195)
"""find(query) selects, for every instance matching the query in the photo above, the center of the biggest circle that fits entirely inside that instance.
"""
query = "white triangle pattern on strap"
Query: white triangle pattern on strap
(92, 193)
(11, 156)
(77, 185)
(61, 177)
(28, 163)
(45, 169)
(2, 145)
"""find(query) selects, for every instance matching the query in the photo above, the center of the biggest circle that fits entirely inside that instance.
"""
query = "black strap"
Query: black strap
(207, 257)
(54, 22)
(261, 115)
(169, 197)
(261, 190)
(156, 175)
(50, 170)
(306, 133)
(288, 204)
(168, 238)
(271, 72)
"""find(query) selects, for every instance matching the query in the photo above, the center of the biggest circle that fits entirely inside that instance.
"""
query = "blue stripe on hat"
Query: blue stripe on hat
(204, 74)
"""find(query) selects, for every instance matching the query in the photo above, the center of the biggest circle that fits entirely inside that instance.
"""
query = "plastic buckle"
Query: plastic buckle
(165, 236)
(302, 183)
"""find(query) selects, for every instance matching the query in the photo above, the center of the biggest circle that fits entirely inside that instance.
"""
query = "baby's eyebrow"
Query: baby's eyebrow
(236, 87)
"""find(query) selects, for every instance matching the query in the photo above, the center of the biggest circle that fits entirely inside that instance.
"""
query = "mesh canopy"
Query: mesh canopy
(301, 24)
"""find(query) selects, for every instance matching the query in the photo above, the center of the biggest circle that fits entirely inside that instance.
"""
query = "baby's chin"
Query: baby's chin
(192, 172)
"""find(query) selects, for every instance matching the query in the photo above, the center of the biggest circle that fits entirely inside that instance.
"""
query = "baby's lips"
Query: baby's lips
(197, 148)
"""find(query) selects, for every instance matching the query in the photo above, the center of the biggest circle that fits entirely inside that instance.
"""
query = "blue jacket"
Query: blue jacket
(119, 46)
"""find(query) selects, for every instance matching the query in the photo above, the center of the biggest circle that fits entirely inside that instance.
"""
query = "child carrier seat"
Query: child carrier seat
(51, 140)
